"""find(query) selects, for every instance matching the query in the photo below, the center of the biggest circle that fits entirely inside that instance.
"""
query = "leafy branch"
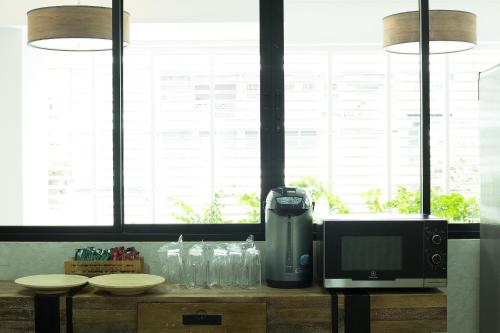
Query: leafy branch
(210, 215)
(319, 191)
(454, 207)
(252, 203)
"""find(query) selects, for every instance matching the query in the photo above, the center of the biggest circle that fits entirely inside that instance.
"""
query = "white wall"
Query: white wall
(10, 125)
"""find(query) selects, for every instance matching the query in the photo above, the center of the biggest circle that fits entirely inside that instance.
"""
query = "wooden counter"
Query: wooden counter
(280, 310)
(402, 311)
(16, 308)
(293, 310)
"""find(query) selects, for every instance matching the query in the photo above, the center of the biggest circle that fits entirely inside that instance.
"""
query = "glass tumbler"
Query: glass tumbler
(235, 254)
(252, 268)
(162, 254)
(174, 270)
(218, 272)
(196, 268)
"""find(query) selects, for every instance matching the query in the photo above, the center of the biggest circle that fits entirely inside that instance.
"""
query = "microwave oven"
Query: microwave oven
(405, 251)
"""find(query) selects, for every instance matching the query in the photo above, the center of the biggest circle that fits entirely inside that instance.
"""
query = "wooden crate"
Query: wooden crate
(102, 267)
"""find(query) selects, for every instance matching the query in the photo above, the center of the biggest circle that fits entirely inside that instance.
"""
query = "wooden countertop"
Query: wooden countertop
(165, 291)
(8, 289)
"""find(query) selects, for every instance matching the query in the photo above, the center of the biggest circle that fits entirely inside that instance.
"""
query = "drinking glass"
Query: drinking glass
(171, 263)
(162, 254)
(174, 267)
(218, 273)
(252, 268)
(196, 268)
(236, 265)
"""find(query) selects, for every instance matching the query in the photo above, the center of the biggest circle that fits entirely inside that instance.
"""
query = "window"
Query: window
(360, 138)
(191, 132)
(203, 120)
(353, 115)
(191, 128)
(352, 124)
(56, 118)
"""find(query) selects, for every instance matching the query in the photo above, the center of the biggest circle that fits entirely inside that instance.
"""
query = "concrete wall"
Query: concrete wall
(20, 259)
(463, 286)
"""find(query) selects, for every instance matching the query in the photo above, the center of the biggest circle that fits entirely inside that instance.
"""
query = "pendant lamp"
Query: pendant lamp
(73, 28)
(449, 31)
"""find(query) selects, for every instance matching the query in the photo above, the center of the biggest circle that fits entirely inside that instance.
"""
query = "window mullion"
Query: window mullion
(117, 23)
(425, 162)
(272, 85)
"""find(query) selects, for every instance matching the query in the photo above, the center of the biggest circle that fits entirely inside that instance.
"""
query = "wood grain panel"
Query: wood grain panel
(404, 311)
(17, 312)
(17, 315)
(408, 300)
(299, 314)
(408, 326)
(105, 314)
(417, 312)
(168, 317)
(395, 314)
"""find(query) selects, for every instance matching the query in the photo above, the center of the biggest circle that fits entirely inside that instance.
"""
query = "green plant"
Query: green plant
(315, 187)
(210, 215)
(454, 206)
(188, 214)
(319, 192)
(372, 201)
(252, 202)
(405, 202)
(213, 213)
(336, 205)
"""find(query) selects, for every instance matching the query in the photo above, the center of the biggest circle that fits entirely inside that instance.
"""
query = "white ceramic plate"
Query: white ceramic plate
(126, 284)
(52, 283)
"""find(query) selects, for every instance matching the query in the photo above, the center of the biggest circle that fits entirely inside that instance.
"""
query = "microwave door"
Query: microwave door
(364, 254)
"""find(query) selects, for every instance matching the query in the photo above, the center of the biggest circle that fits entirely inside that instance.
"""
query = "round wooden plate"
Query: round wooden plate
(126, 284)
(51, 283)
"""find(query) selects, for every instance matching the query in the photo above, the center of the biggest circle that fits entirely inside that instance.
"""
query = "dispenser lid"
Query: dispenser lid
(288, 199)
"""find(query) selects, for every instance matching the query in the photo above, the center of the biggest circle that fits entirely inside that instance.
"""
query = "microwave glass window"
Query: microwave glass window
(372, 253)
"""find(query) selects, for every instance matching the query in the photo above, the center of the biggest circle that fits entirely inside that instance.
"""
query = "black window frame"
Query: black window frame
(272, 147)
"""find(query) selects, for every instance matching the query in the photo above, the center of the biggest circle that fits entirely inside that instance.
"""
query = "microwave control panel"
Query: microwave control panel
(435, 249)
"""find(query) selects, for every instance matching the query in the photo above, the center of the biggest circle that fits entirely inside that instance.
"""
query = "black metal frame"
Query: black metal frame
(425, 112)
(118, 193)
(464, 231)
(272, 100)
(455, 230)
(272, 138)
